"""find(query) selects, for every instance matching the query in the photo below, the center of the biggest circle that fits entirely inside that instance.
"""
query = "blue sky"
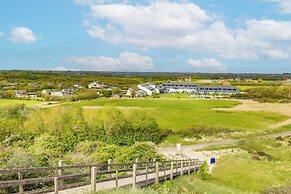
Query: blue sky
(181, 36)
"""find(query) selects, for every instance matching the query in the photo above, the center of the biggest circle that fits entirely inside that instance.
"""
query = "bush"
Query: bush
(203, 171)
(136, 127)
(47, 149)
(21, 159)
(142, 151)
(88, 147)
(198, 131)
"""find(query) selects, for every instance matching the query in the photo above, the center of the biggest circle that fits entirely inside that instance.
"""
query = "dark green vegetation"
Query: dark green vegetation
(263, 166)
(36, 81)
(267, 94)
(40, 137)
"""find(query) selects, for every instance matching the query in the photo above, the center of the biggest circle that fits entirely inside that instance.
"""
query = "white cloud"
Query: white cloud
(283, 5)
(59, 68)
(1, 34)
(186, 26)
(126, 61)
(23, 35)
(208, 64)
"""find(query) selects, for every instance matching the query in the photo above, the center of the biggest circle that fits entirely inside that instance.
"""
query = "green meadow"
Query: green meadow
(8, 102)
(182, 114)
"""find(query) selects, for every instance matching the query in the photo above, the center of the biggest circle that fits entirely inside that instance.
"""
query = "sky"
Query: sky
(214, 36)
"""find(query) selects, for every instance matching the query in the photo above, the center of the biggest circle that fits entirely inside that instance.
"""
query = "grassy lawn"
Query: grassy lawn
(5, 102)
(163, 103)
(247, 175)
(178, 95)
(183, 114)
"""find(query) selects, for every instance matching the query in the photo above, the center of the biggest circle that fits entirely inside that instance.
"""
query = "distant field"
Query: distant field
(163, 103)
(178, 95)
(247, 87)
(183, 114)
(5, 102)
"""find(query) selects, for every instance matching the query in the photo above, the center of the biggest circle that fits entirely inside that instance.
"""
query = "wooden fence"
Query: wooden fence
(55, 179)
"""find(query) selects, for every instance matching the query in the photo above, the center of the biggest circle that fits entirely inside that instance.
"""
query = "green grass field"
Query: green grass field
(178, 95)
(179, 114)
(163, 103)
(8, 102)
(247, 87)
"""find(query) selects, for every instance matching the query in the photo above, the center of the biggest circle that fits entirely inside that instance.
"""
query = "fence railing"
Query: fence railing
(57, 178)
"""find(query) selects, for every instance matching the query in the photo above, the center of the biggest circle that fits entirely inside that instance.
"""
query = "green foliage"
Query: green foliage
(88, 147)
(156, 95)
(204, 171)
(136, 127)
(142, 151)
(47, 149)
(47, 135)
(267, 94)
(21, 158)
(199, 130)
(66, 123)
(107, 152)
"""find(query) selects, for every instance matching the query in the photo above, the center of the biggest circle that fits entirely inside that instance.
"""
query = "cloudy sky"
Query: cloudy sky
(156, 35)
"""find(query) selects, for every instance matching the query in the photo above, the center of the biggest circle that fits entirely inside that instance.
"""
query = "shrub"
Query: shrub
(21, 159)
(47, 149)
(143, 151)
(136, 127)
(203, 171)
(88, 147)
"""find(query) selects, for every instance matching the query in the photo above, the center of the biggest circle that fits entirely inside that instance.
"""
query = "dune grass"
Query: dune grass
(8, 102)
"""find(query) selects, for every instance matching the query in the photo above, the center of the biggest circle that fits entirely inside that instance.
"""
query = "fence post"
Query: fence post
(56, 185)
(136, 160)
(189, 167)
(93, 178)
(165, 166)
(147, 170)
(182, 166)
(134, 175)
(109, 168)
(20, 177)
(61, 171)
(172, 166)
(116, 179)
(157, 172)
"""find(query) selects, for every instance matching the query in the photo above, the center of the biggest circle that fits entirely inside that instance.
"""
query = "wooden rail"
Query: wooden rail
(58, 178)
